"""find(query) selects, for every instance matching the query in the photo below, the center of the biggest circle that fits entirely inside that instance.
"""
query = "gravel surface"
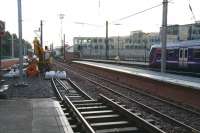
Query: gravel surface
(94, 90)
(37, 88)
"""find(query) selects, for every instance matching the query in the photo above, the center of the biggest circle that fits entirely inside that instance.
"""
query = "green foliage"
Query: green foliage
(6, 46)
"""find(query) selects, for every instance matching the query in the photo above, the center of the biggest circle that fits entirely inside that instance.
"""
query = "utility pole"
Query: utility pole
(12, 39)
(0, 55)
(61, 16)
(118, 45)
(64, 46)
(164, 36)
(20, 41)
(118, 39)
(52, 48)
(106, 41)
(41, 33)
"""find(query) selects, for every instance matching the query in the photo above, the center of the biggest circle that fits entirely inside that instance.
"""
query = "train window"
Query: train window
(181, 53)
(186, 53)
(196, 53)
(170, 53)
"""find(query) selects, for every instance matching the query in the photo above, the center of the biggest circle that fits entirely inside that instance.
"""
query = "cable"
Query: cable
(190, 7)
(139, 12)
(83, 23)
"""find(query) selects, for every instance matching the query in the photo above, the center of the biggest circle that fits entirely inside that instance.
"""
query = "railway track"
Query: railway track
(99, 116)
(183, 117)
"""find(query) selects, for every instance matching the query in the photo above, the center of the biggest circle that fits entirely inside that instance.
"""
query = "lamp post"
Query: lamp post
(61, 17)
(22, 83)
(118, 40)
(20, 39)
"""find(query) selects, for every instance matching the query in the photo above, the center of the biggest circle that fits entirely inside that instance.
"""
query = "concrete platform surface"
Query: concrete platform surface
(137, 63)
(184, 81)
(42, 115)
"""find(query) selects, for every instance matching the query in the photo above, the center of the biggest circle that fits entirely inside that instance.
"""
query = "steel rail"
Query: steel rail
(141, 92)
(191, 129)
(79, 89)
(83, 122)
(139, 122)
(131, 116)
(144, 93)
(56, 90)
(73, 109)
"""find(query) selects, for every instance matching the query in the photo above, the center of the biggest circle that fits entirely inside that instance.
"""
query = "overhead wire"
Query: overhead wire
(190, 7)
(145, 10)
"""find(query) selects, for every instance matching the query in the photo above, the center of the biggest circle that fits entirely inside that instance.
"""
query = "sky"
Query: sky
(84, 18)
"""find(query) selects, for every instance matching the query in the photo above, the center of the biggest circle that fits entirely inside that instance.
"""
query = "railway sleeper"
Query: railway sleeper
(75, 128)
(100, 112)
(117, 130)
(72, 91)
(103, 118)
(87, 104)
(76, 98)
(93, 108)
(83, 101)
(72, 94)
(109, 125)
(99, 116)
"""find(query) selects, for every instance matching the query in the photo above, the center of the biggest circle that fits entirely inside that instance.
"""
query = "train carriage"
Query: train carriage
(183, 55)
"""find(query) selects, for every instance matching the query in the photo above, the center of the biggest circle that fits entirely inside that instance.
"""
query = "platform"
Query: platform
(184, 81)
(129, 63)
(42, 115)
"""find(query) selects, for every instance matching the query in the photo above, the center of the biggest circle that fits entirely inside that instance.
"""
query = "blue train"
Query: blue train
(183, 55)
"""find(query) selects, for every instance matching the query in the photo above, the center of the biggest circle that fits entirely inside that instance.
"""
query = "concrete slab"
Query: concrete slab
(32, 116)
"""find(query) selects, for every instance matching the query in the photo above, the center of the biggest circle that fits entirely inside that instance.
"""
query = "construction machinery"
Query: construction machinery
(40, 63)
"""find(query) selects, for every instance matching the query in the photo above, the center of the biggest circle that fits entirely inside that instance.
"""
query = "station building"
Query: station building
(135, 46)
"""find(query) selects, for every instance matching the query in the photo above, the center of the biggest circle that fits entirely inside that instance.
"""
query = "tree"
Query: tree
(7, 44)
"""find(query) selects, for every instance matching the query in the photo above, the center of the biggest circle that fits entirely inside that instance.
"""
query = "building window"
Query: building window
(127, 47)
(100, 40)
(84, 41)
(101, 46)
(95, 40)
